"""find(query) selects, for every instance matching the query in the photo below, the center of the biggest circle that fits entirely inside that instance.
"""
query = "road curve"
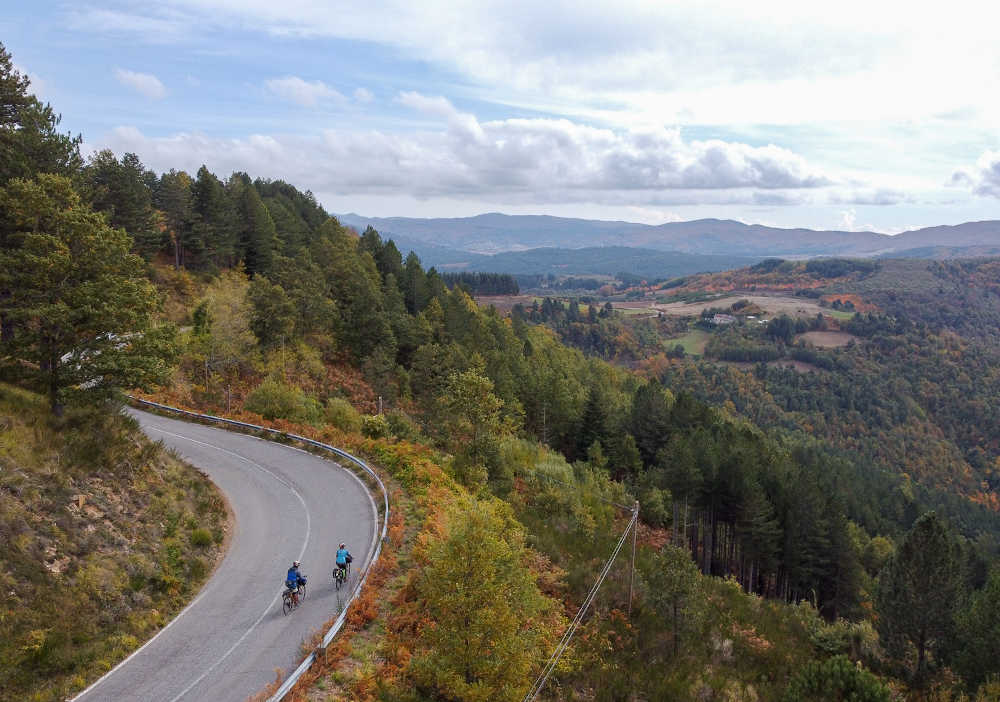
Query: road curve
(288, 504)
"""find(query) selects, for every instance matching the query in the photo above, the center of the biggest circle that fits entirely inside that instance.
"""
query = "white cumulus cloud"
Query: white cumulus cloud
(144, 83)
(523, 160)
(303, 92)
(983, 178)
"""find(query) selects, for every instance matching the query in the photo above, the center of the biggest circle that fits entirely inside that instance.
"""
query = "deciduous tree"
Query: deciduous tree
(487, 619)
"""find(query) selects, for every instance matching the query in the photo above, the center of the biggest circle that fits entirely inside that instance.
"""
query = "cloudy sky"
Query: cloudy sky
(853, 115)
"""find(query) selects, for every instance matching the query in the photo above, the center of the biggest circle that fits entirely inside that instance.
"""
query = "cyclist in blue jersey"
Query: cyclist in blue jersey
(343, 558)
(293, 579)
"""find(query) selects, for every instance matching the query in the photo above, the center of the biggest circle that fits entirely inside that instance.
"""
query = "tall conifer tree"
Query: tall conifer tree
(917, 592)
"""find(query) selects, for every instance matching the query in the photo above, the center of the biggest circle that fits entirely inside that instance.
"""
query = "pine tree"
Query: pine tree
(917, 592)
(120, 190)
(355, 286)
(14, 95)
(272, 316)
(675, 592)
(172, 196)
(594, 423)
(213, 221)
(414, 282)
(978, 626)
(760, 534)
(835, 679)
(258, 241)
(30, 142)
(651, 419)
(305, 283)
(82, 308)
(391, 262)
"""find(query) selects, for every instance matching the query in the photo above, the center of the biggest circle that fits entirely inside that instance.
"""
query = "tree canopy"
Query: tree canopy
(487, 620)
(79, 302)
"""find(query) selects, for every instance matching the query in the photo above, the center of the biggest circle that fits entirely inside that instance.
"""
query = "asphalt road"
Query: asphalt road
(288, 505)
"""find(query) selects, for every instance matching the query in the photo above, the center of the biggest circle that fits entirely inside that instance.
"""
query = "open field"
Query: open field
(827, 339)
(504, 303)
(644, 311)
(838, 314)
(772, 305)
(693, 342)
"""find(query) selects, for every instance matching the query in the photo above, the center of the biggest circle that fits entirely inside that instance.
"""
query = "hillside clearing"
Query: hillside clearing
(772, 305)
(693, 342)
(828, 339)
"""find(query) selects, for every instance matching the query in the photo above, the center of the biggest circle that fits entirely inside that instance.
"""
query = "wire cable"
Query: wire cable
(571, 629)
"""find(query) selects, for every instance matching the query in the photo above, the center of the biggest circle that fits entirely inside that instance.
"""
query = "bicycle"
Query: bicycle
(340, 575)
(288, 599)
(288, 603)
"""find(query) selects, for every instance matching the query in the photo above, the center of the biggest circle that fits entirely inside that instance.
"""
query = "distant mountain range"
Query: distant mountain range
(496, 233)
(543, 244)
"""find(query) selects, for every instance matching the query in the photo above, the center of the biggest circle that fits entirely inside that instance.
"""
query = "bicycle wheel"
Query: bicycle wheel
(286, 604)
(302, 592)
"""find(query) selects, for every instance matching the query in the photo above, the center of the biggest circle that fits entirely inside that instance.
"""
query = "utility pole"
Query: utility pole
(631, 577)
(284, 372)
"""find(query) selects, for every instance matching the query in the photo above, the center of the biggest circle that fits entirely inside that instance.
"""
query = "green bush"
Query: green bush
(275, 400)
(401, 426)
(197, 568)
(201, 538)
(341, 414)
(835, 679)
(375, 426)
(654, 506)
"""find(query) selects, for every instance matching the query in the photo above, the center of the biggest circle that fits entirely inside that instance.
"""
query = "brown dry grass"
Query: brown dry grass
(772, 305)
(827, 339)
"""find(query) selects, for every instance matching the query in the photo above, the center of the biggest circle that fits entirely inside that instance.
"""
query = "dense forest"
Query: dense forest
(242, 295)
(482, 283)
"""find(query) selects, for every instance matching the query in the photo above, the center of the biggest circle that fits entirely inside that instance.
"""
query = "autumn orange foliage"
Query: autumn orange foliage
(859, 304)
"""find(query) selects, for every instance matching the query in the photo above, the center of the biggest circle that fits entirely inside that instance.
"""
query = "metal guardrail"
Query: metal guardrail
(289, 682)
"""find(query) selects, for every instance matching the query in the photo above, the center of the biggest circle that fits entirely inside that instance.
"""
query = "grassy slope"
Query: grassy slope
(693, 342)
(96, 521)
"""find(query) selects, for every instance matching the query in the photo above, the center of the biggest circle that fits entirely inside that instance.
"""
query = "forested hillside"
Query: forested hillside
(910, 388)
(769, 565)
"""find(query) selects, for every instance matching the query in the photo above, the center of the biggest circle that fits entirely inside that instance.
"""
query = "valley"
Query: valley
(689, 460)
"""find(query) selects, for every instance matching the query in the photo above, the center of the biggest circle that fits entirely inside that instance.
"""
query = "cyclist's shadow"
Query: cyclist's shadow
(342, 594)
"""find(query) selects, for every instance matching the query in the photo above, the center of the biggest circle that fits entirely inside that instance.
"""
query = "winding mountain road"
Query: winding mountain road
(288, 504)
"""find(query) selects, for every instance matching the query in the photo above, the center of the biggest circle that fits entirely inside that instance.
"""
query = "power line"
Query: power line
(571, 629)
